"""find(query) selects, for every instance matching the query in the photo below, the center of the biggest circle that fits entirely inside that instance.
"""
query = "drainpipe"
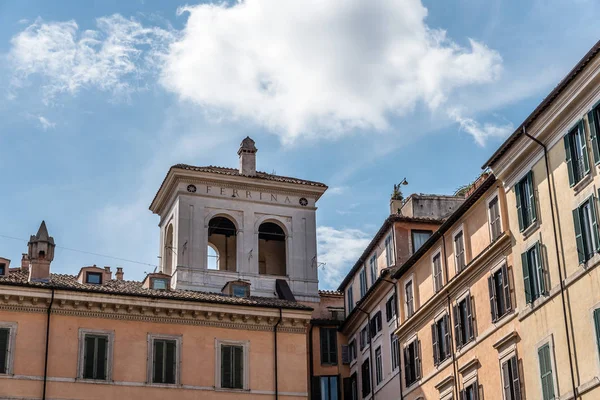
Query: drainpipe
(397, 326)
(310, 358)
(47, 344)
(275, 334)
(560, 275)
(370, 350)
(450, 316)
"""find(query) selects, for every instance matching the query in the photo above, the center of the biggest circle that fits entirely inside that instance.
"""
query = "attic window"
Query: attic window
(159, 283)
(95, 278)
(240, 290)
(2, 269)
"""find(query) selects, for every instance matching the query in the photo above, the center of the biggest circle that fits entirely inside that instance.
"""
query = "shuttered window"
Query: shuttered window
(328, 346)
(390, 308)
(594, 124)
(470, 392)
(499, 290)
(326, 388)
(546, 375)
(586, 230)
(440, 337)
(350, 297)
(494, 215)
(4, 349)
(395, 348)
(464, 330)
(576, 154)
(378, 366)
(412, 362)
(364, 337)
(375, 324)
(409, 299)
(363, 282)
(373, 267)
(164, 361)
(510, 379)
(365, 372)
(533, 273)
(389, 252)
(232, 366)
(597, 326)
(459, 251)
(526, 208)
(437, 272)
(95, 357)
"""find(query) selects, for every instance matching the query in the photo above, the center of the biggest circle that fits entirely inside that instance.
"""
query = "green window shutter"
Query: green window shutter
(102, 358)
(506, 381)
(584, 152)
(578, 236)
(597, 325)
(470, 329)
(526, 277)
(514, 366)
(435, 344)
(519, 195)
(158, 361)
(569, 160)
(595, 237)
(506, 287)
(594, 135)
(170, 362)
(493, 307)
(226, 359)
(456, 316)
(4, 336)
(533, 211)
(418, 359)
(540, 268)
(546, 372)
(238, 367)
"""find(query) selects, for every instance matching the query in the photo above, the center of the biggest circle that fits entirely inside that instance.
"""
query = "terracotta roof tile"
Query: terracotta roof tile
(331, 292)
(134, 288)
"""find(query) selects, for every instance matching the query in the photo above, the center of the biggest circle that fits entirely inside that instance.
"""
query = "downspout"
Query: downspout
(370, 350)
(49, 311)
(275, 334)
(397, 326)
(560, 275)
(450, 316)
(310, 358)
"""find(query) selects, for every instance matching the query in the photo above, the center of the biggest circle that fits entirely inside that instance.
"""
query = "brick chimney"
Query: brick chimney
(24, 262)
(119, 274)
(247, 154)
(107, 274)
(40, 254)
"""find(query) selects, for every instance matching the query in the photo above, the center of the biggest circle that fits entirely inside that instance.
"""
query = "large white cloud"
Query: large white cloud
(320, 67)
(338, 250)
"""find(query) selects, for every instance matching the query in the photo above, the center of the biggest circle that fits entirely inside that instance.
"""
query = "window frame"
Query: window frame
(580, 239)
(154, 280)
(245, 373)
(460, 231)
(329, 378)
(494, 197)
(378, 367)
(149, 368)
(373, 268)
(574, 133)
(110, 335)
(3, 269)
(410, 280)
(540, 274)
(441, 318)
(350, 299)
(417, 361)
(526, 181)
(364, 393)
(391, 311)
(93, 273)
(507, 359)
(10, 348)
(456, 310)
(395, 356)
(501, 267)
(437, 254)
(376, 324)
(362, 281)
(364, 341)
(412, 237)
(389, 250)
(324, 331)
(548, 341)
(593, 119)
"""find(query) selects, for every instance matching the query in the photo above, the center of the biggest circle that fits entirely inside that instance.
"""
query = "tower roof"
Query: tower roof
(42, 234)
(247, 146)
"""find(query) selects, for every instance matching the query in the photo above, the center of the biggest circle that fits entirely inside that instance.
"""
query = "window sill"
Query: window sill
(583, 182)
(444, 363)
(219, 389)
(531, 229)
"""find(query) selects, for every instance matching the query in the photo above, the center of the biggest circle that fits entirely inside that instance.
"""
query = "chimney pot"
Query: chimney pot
(119, 274)
(24, 262)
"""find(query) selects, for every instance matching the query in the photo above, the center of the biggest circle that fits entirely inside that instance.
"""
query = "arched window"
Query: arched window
(169, 252)
(271, 249)
(222, 236)
(212, 261)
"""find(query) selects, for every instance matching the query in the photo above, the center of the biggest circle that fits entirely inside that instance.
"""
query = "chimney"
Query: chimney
(119, 274)
(107, 274)
(247, 154)
(24, 262)
(40, 254)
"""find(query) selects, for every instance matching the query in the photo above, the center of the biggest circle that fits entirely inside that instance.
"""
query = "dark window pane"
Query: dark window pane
(158, 371)
(93, 277)
(170, 362)
(4, 336)
(101, 353)
(88, 362)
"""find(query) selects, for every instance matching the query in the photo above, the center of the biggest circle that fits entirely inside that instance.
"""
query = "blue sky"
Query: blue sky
(98, 99)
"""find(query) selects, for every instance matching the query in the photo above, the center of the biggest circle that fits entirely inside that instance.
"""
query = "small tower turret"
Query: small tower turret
(247, 153)
(40, 253)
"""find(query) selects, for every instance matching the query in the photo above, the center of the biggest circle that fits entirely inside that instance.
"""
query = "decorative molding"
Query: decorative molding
(506, 339)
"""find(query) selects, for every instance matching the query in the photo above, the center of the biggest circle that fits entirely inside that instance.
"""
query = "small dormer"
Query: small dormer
(237, 288)
(94, 275)
(4, 265)
(157, 281)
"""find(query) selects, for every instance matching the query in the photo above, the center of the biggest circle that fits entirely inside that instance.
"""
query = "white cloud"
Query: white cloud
(45, 123)
(480, 132)
(338, 249)
(316, 68)
(112, 58)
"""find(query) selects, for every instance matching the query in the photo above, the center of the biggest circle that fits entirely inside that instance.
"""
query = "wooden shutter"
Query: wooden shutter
(238, 367)
(506, 381)
(462, 395)
(506, 287)
(418, 359)
(332, 345)
(595, 236)
(157, 362)
(569, 159)
(457, 324)
(324, 346)
(540, 268)
(315, 388)
(594, 135)
(226, 367)
(347, 388)
(446, 323)
(170, 361)
(579, 236)
(492, 291)
(435, 343)
(102, 357)
(407, 364)
(533, 209)
(584, 152)
(470, 327)
(345, 354)
(88, 357)
(476, 390)
(597, 325)
(4, 338)
(526, 277)
(546, 372)
(372, 327)
(515, 376)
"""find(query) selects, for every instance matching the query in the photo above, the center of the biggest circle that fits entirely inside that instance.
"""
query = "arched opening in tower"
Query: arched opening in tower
(271, 249)
(222, 243)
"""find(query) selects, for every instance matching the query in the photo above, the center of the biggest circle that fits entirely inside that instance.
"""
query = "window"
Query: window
(373, 268)
(437, 272)
(526, 211)
(499, 289)
(440, 337)
(365, 372)
(409, 299)
(2, 269)
(8, 331)
(390, 308)
(94, 278)
(232, 367)
(363, 282)
(459, 251)
(159, 284)
(470, 392)
(328, 346)
(352, 350)
(597, 326)
(586, 230)
(376, 324)
(350, 297)
(494, 216)
(533, 273)
(412, 362)
(395, 348)
(328, 387)
(164, 361)
(389, 252)
(510, 379)
(240, 290)
(419, 238)
(463, 322)
(95, 353)
(546, 372)
(594, 121)
(576, 154)
(378, 366)
(364, 337)
(353, 388)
